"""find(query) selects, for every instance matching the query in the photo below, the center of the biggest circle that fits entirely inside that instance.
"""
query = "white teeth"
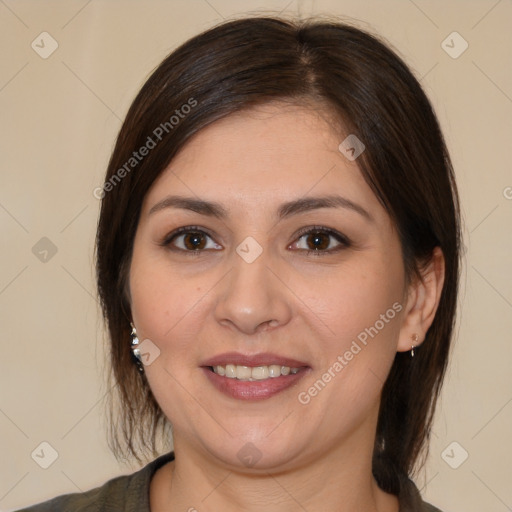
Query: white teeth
(231, 371)
(243, 372)
(239, 372)
(260, 372)
(274, 370)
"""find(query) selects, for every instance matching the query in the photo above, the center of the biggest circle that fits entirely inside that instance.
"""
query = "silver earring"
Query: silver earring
(136, 357)
(415, 339)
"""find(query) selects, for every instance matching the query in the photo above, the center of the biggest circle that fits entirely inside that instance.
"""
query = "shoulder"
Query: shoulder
(410, 498)
(128, 493)
(427, 507)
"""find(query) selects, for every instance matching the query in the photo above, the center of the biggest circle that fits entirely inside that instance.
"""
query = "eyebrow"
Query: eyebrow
(301, 205)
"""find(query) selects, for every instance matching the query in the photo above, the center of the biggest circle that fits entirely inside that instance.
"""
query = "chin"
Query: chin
(261, 450)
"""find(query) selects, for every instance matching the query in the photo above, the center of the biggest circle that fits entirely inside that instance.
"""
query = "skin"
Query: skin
(309, 306)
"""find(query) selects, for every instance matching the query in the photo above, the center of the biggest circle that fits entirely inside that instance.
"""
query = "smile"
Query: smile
(248, 373)
(264, 381)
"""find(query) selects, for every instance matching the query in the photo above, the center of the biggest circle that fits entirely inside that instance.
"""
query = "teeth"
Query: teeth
(260, 372)
(233, 371)
(230, 371)
(243, 372)
(274, 370)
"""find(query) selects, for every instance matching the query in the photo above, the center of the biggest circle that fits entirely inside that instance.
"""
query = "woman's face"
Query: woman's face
(284, 260)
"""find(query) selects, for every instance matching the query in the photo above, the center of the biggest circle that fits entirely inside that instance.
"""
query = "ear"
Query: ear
(422, 302)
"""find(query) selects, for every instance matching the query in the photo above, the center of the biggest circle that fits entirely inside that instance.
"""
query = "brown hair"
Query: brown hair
(243, 63)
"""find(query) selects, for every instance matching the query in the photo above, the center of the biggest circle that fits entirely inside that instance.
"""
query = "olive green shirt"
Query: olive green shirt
(130, 493)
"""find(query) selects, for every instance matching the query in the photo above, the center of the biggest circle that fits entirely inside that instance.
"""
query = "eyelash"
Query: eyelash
(342, 239)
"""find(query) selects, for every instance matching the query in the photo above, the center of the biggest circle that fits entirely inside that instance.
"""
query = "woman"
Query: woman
(278, 254)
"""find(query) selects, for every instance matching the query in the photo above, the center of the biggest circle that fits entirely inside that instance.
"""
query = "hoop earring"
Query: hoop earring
(415, 339)
(136, 357)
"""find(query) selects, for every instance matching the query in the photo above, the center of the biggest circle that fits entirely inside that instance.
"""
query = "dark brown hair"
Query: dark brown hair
(372, 94)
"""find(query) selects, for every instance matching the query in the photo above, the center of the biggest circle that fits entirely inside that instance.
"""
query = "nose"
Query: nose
(252, 298)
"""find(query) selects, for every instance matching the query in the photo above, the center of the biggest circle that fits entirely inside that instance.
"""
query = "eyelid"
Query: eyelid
(343, 240)
(167, 240)
(325, 229)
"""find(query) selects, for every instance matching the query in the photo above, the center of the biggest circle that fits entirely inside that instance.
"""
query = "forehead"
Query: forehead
(274, 152)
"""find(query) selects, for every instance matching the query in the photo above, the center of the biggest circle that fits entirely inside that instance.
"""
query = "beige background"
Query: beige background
(59, 119)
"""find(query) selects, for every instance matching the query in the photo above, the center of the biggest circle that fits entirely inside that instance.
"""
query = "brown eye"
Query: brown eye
(194, 241)
(317, 241)
(190, 239)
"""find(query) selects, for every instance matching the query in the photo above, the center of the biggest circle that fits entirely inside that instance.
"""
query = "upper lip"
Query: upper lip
(262, 359)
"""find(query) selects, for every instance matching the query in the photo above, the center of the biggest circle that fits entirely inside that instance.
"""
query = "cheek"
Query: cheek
(168, 308)
(362, 313)
(349, 300)
(360, 308)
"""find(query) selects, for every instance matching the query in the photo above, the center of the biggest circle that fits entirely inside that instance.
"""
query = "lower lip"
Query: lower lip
(256, 389)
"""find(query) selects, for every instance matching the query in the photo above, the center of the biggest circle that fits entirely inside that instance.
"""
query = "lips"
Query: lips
(253, 389)
(262, 359)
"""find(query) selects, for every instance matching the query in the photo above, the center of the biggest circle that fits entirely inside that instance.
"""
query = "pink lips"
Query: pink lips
(253, 390)
(263, 359)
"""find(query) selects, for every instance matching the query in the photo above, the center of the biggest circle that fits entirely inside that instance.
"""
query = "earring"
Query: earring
(415, 339)
(136, 357)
